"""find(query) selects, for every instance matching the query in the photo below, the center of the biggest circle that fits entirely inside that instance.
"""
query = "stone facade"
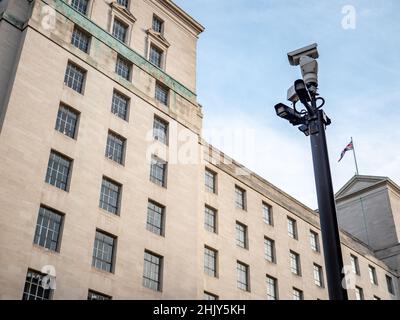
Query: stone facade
(35, 49)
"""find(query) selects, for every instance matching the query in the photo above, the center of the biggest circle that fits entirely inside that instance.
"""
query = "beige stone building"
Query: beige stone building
(107, 185)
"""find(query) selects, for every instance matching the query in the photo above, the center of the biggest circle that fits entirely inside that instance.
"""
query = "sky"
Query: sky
(243, 71)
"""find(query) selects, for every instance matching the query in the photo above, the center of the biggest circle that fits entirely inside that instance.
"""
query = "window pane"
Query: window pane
(297, 294)
(241, 235)
(103, 252)
(109, 196)
(157, 24)
(210, 181)
(240, 198)
(115, 147)
(314, 241)
(155, 217)
(157, 171)
(123, 3)
(295, 263)
(92, 295)
(210, 219)
(242, 276)
(66, 121)
(123, 68)
(74, 77)
(152, 271)
(317, 275)
(33, 289)
(267, 214)
(269, 247)
(210, 262)
(161, 94)
(160, 130)
(80, 39)
(272, 291)
(292, 228)
(156, 56)
(120, 105)
(80, 5)
(120, 30)
(48, 227)
(58, 170)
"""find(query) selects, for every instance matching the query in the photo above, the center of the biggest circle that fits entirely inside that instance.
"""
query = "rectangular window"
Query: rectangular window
(372, 275)
(390, 285)
(34, 288)
(210, 181)
(272, 288)
(318, 276)
(115, 147)
(240, 198)
(359, 293)
(120, 104)
(267, 214)
(314, 241)
(80, 5)
(120, 30)
(210, 219)
(243, 278)
(209, 296)
(123, 68)
(74, 77)
(104, 251)
(67, 119)
(269, 250)
(58, 170)
(123, 3)
(297, 294)
(152, 271)
(156, 56)
(155, 218)
(161, 94)
(160, 130)
(292, 228)
(158, 24)
(295, 263)
(354, 265)
(93, 295)
(110, 196)
(80, 39)
(241, 235)
(48, 229)
(210, 261)
(158, 170)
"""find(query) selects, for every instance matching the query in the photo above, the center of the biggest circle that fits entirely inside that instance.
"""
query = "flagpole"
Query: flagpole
(354, 154)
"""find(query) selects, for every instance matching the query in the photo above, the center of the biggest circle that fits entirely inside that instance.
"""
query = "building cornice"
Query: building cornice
(182, 15)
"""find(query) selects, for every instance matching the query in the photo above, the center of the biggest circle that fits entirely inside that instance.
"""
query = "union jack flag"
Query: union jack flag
(348, 148)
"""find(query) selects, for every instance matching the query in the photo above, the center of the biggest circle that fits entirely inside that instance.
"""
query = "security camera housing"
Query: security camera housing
(309, 51)
(292, 95)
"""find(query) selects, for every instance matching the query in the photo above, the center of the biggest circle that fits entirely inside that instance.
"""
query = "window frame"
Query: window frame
(154, 179)
(59, 121)
(243, 196)
(119, 95)
(151, 227)
(111, 263)
(270, 221)
(82, 86)
(162, 23)
(48, 177)
(27, 294)
(117, 211)
(59, 232)
(373, 276)
(355, 266)
(212, 190)
(297, 262)
(274, 282)
(245, 231)
(165, 90)
(121, 60)
(292, 232)
(207, 227)
(115, 155)
(86, 34)
(160, 266)
(161, 121)
(314, 241)
(317, 269)
(299, 292)
(239, 284)
(273, 250)
(213, 270)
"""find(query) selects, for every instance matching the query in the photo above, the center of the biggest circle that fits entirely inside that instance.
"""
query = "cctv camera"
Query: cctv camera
(309, 51)
(285, 112)
(309, 70)
(292, 95)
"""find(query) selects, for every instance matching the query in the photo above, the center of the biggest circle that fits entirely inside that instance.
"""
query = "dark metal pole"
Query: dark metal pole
(327, 209)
